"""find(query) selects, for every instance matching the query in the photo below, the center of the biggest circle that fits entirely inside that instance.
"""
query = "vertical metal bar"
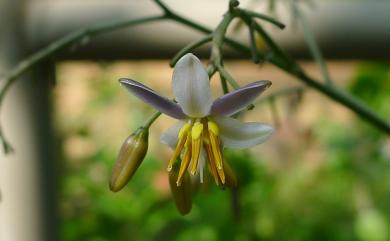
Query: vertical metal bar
(27, 183)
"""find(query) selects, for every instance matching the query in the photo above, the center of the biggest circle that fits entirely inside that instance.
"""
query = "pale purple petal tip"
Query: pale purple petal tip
(237, 100)
(149, 96)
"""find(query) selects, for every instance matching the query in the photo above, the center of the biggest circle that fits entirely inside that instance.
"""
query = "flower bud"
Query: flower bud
(182, 195)
(130, 157)
(230, 176)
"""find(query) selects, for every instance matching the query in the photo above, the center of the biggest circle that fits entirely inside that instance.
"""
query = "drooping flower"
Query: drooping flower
(205, 126)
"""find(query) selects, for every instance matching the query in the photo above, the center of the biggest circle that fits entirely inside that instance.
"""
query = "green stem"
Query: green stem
(57, 46)
(190, 47)
(225, 88)
(65, 42)
(222, 71)
(287, 60)
(274, 112)
(343, 98)
(263, 17)
(253, 46)
(282, 92)
(216, 50)
(312, 44)
(151, 119)
(279, 59)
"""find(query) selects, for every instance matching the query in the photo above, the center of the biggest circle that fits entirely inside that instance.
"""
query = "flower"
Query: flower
(205, 126)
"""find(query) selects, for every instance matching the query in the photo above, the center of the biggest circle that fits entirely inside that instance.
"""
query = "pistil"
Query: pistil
(197, 139)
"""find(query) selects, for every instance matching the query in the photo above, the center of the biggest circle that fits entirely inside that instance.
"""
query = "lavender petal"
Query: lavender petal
(152, 98)
(237, 100)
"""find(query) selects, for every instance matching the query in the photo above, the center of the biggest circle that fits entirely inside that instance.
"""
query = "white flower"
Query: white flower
(204, 126)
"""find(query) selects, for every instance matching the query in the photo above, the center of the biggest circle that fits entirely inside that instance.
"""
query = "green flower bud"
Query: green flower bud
(230, 176)
(182, 195)
(130, 157)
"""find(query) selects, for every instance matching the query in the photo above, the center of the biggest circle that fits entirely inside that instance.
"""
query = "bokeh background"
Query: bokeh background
(324, 174)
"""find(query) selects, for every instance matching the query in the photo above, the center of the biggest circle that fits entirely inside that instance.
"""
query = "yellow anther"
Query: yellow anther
(221, 174)
(185, 161)
(196, 134)
(197, 130)
(211, 164)
(215, 144)
(184, 130)
(182, 138)
(212, 127)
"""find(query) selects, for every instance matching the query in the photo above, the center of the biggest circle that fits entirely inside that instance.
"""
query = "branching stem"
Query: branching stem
(278, 57)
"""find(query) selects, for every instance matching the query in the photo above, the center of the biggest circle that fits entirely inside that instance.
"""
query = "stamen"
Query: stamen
(196, 134)
(215, 144)
(182, 138)
(185, 161)
(211, 163)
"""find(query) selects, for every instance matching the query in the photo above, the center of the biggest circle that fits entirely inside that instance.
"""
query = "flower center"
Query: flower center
(192, 137)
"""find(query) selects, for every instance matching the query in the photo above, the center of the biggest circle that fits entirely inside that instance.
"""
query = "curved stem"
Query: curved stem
(279, 58)
(333, 93)
(264, 17)
(65, 42)
(190, 47)
(253, 46)
(151, 119)
(282, 92)
(57, 46)
(227, 76)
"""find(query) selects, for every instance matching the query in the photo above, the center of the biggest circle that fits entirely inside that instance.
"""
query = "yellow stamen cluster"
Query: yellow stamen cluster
(192, 136)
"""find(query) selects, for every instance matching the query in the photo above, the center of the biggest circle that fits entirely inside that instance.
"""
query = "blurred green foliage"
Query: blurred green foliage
(346, 198)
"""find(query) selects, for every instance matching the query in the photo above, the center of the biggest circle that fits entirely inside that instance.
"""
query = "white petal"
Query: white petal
(169, 137)
(239, 135)
(191, 86)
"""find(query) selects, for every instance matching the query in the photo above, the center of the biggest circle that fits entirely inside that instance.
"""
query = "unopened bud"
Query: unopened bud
(230, 176)
(182, 194)
(130, 157)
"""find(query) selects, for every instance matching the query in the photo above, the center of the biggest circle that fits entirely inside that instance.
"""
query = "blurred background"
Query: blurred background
(324, 174)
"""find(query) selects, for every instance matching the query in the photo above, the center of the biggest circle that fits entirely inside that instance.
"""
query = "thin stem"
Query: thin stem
(274, 112)
(225, 88)
(282, 92)
(57, 46)
(190, 47)
(5, 144)
(216, 50)
(218, 38)
(271, 43)
(343, 98)
(279, 58)
(211, 69)
(65, 42)
(312, 44)
(252, 38)
(222, 71)
(151, 119)
(263, 17)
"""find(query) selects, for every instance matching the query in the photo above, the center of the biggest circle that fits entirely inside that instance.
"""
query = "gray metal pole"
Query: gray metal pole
(27, 207)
